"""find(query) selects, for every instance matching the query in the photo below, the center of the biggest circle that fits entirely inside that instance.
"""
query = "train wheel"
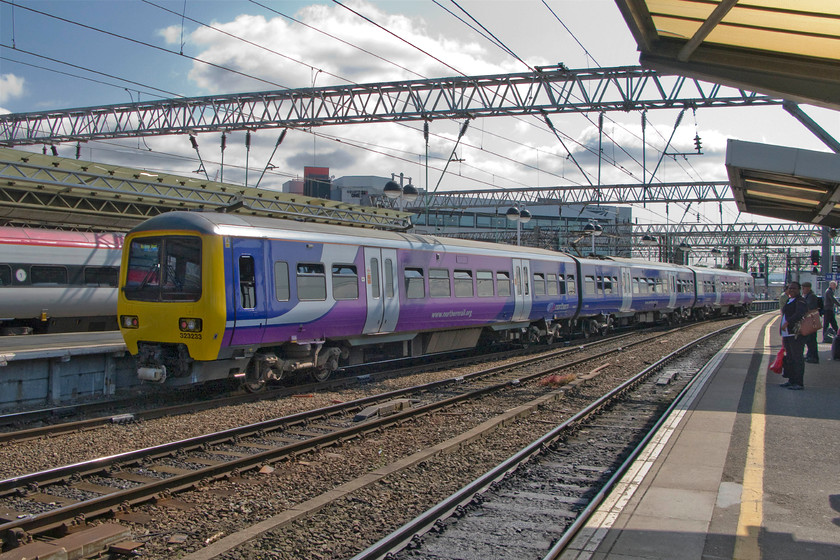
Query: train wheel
(320, 374)
(256, 376)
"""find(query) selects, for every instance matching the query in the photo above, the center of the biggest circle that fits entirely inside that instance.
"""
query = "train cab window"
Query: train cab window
(439, 283)
(48, 274)
(311, 282)
(539, 284)
(5, 275)
(389, 278)
(164, 268)
(551, 284)
(374, 278)
(345, 281)
(484, 283)
(247, 282)
(463, 283)
(589, 285)
(503, 283)
(571, 284)
(281, 280)
(101, 275)
(414, 287)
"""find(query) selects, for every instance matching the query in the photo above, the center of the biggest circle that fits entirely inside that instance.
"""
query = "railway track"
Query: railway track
(50, 500)
(531, 505)
(51, 422)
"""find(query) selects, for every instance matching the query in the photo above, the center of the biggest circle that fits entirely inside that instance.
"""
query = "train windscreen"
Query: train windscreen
(164, 269)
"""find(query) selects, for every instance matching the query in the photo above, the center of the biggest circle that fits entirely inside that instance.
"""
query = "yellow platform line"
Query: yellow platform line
(751, 514)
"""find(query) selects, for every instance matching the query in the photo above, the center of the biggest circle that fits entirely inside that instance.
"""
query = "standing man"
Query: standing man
(794, 362)
(830, 304)
(812, 356)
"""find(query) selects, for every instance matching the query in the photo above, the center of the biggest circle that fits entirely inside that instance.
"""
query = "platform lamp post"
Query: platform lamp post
(684, 249)
(520, 217)
(593, 230)
(716, 253)
(407, 193)
(648, 241)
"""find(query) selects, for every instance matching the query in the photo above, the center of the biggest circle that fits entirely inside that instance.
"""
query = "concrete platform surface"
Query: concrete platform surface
(743, 468)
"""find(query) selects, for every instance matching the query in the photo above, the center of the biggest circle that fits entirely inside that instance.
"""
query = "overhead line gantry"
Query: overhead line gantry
(549, 90)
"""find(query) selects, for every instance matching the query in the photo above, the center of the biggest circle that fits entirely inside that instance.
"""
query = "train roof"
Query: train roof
(60, 238)
(237, 225)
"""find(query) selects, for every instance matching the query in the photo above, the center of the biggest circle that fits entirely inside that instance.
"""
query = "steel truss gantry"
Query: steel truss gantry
(633, 193)
(546, 91)
(66, 193)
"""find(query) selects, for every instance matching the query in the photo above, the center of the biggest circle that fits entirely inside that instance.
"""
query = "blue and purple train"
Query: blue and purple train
(207, 296)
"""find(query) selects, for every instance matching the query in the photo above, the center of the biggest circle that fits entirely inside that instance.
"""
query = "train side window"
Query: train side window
(571, 284)
(527, 278)
(599, 286)
(389, 278)
(247, 282)
(517, 282)
(48, 274)
(503, 283)
(589, 285)
(563, 285)
(101, 275)
(608, 285)
(345, 281)
(551, 284)
(635, 285)
(374, 278)
(5, 275)
(414, 288)
(484, 283)
(463, 283)
(311, 282)
(281, 280)
(539, 284)
(439, 283)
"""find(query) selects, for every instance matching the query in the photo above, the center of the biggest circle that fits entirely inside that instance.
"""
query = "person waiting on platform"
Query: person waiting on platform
(793, 367)
(812, 355)
(830, 304)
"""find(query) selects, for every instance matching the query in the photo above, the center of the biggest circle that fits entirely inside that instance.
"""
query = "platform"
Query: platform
(743, 469)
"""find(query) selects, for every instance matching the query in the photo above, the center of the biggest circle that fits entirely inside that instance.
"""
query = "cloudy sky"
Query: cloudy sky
(79, 53)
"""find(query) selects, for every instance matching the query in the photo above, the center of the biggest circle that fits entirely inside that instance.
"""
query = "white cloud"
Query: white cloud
(11, 86)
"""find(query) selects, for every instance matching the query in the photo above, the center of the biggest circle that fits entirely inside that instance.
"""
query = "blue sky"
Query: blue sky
(293, 56)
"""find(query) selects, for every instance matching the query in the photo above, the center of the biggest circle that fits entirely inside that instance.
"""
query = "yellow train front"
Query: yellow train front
(172, 306)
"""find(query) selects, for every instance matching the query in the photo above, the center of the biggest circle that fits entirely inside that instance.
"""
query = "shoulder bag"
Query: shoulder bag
(810, 323)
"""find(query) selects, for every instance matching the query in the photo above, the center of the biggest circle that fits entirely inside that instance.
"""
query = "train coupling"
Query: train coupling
(156, 374)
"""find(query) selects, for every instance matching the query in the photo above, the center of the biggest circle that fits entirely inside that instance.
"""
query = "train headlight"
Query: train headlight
(187, 324)
(129, 321)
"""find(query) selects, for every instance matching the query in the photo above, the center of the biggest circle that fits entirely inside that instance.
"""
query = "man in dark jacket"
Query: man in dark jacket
(830, 303)
(812, 356)
(794, 362)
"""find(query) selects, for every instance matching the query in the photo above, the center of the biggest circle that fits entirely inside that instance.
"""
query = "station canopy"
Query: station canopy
(777, 47)
(787, 183)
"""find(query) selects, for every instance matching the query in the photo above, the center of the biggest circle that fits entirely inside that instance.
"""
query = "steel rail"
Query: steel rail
(421, 524)
(108, 503)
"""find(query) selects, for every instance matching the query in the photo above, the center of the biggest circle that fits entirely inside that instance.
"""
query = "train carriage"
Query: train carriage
(211, 296)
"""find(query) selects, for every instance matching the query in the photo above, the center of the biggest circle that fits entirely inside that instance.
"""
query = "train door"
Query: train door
(671, 280)
(382, 290)
(249, 299)
(718, 290)
(626, 290)
(522, 289)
